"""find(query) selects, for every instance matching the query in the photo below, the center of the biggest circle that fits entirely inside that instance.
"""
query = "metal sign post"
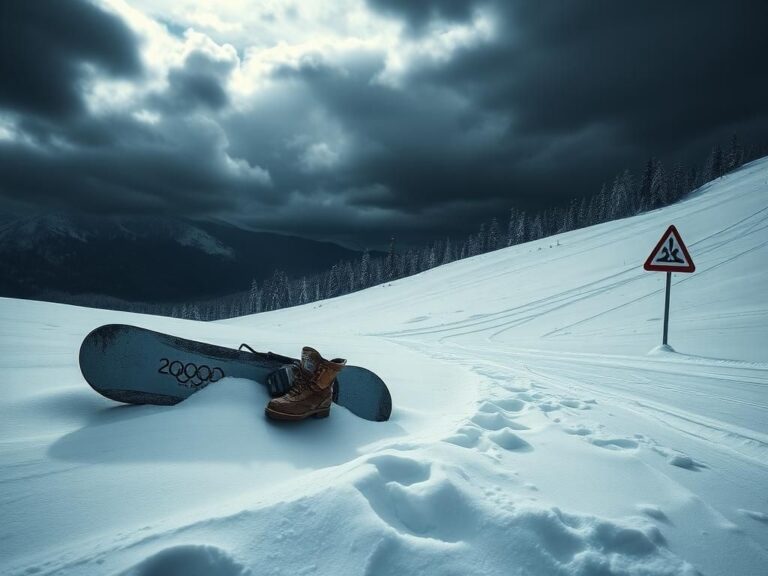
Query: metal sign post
(666, 308)
(669, 255)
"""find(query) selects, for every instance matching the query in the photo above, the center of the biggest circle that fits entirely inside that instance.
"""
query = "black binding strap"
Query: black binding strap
(281, 358)
(269, 355)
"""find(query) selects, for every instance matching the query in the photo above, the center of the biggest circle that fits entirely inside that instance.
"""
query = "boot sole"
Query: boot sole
(275, 415)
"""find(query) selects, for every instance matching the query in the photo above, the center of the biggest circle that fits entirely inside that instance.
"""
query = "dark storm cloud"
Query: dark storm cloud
(564, 97)
(419, 143)
(117, 165)
(63, 156)
(418, 14)
(44, 45)
(560, 98)
(581, 90)
(662, 72)
(176, 164)
(200, 81)
(406, 161)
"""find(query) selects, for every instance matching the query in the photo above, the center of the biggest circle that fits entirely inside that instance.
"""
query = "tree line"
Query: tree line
(625, 195)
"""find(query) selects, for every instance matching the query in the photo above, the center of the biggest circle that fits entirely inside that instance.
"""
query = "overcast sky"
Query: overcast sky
(358, 119)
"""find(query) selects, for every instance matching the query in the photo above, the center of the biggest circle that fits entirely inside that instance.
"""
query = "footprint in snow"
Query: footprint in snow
(511, 404)
(614, 443)
(487, 406)
(405, 471)
(684, 461)
(515, 388)
(502, 405)
(654, 512)
(466, 437)
(406, 495)
(496, 421)
(679, 459)
(510, 441)
(189, 560)
(549, 406)
(574, 403)
(578, 430)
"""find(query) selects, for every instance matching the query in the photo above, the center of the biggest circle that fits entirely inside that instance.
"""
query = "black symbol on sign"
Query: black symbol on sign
(191, 375)
(670, 254)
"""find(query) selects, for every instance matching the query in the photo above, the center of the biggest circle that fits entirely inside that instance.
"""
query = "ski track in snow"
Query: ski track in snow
(533, 434)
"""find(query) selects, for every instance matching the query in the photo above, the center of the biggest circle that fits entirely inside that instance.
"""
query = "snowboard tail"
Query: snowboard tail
(140, 366)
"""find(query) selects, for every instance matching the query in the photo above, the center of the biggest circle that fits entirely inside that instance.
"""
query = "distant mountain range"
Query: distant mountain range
(146, 259)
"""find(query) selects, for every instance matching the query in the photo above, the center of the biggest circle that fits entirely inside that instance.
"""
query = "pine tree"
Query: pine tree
(332, 282)
(349, 273)
(389, 263)
(253, 295)
(551, 221)
(521, 228)
(277, 291)
(602, 205)
(511, 228)
(413, 262)
(402, 266)
(537, 230)
(735, 156)
(659, 195)
(365, 270)
(677, 183)
(645, 199)
(288, 290)
(494, 235)
(715, 164)
(474, 245)
(630, 191)
(464, 252)
(482, 240)
(569, 218)
(582, 214)
(377, 272)
(694, 179)
(448, 253)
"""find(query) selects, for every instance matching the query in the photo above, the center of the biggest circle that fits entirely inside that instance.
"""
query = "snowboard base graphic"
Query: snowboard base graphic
(139, 366)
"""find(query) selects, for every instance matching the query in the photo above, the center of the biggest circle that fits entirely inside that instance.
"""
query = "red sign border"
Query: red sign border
(651, 267)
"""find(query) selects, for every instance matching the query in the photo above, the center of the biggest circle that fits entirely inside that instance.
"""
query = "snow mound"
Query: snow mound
(661, 350)
(509, 440)
(443, 525)
(189, 560)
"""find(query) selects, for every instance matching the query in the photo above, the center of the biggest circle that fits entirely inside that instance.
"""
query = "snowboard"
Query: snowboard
(140, 366)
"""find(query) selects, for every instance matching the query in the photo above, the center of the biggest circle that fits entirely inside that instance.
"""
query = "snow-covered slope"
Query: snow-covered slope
(536, 429)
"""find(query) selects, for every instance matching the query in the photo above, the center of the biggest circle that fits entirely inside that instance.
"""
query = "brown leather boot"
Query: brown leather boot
(311, 392)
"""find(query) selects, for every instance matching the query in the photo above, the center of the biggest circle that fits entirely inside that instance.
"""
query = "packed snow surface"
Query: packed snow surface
(538, 426)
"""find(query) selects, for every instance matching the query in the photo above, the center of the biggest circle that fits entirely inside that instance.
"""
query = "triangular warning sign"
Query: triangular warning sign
(670, 254)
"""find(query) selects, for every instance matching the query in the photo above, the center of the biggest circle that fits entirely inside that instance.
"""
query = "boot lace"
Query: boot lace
(304, 380)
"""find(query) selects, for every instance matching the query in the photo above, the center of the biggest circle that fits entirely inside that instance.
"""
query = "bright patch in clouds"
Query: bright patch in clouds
(278, 34)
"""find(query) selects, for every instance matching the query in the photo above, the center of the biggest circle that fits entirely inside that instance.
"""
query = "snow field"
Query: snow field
(538, 429)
